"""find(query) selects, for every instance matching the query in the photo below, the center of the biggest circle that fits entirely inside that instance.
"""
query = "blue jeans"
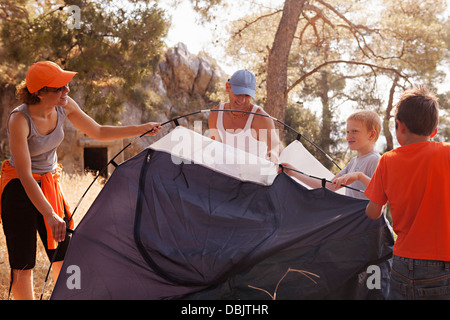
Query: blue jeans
(416, 279)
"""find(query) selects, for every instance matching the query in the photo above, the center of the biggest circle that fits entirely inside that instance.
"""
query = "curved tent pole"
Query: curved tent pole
(175, 120)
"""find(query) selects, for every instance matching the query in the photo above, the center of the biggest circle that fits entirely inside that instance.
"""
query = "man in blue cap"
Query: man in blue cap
(242, 126)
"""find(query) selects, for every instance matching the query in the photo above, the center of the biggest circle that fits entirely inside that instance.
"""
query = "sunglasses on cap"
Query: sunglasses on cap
(51, 89)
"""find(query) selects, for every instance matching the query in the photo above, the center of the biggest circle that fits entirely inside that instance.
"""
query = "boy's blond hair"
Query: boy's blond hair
(370, 119)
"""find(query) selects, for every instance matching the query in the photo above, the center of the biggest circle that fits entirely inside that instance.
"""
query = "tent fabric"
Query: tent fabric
(165, 227)
(191, 147)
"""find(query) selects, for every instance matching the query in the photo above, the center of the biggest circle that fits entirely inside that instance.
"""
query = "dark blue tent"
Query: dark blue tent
(161, 229)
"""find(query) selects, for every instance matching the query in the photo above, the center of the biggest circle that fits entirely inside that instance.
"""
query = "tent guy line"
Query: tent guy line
(175, 121)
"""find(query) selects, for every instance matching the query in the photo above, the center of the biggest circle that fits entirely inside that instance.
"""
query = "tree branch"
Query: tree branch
(248, 24)
(312, 21)
(372, 66)
(319, 12)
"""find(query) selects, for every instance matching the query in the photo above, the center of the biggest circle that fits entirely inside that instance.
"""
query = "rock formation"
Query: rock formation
(190, 74)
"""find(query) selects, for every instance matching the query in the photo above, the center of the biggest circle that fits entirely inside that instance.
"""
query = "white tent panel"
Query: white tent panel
(188, 146)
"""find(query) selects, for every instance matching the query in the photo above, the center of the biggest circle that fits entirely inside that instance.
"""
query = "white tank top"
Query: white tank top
(243, 139)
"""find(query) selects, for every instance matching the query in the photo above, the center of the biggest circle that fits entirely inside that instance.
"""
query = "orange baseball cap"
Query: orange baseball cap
(47, 74)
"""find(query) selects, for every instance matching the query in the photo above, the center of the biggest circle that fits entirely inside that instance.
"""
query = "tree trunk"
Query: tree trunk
(327, 116)
(276, 101)
(8, 102)
(387, 117)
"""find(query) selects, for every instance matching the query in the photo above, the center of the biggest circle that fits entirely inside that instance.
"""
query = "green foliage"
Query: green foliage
(443, 133)
(113, 48)
(206, 8)
(303, 121)
(417, 37)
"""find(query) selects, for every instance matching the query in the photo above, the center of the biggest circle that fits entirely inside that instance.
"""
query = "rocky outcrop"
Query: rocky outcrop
(191, 75)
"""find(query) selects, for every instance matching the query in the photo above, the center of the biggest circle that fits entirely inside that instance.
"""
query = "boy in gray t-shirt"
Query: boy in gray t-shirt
(363, 168)
(363, 130)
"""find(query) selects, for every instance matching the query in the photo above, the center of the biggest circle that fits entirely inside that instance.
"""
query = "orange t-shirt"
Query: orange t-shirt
(415, 180)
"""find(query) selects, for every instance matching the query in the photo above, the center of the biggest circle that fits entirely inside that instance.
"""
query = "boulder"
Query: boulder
(188, 73)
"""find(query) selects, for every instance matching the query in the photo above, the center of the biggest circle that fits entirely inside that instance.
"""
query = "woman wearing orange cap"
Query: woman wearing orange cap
(31, 198)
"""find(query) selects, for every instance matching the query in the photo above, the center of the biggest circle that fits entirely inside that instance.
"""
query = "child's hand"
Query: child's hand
(286, 165)
(345, 180)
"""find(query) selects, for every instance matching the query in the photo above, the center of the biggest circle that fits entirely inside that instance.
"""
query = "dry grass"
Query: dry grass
(273, 296)
(73, 187)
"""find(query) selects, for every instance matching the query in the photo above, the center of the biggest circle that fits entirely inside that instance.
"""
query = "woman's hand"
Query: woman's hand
(57, 225)
(152, 128)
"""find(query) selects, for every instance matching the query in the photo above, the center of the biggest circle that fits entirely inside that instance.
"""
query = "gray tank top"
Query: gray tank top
(42, 147)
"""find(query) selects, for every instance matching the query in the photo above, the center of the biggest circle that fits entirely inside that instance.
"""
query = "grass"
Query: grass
(273, 296)
(73, 187)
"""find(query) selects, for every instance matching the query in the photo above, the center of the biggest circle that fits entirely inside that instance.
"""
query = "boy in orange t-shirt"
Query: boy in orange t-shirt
(415, 180)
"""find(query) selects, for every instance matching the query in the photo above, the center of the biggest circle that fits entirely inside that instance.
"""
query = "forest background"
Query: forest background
(315, 60)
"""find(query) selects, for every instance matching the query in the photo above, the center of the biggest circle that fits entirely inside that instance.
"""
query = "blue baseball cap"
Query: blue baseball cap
(243, 82)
